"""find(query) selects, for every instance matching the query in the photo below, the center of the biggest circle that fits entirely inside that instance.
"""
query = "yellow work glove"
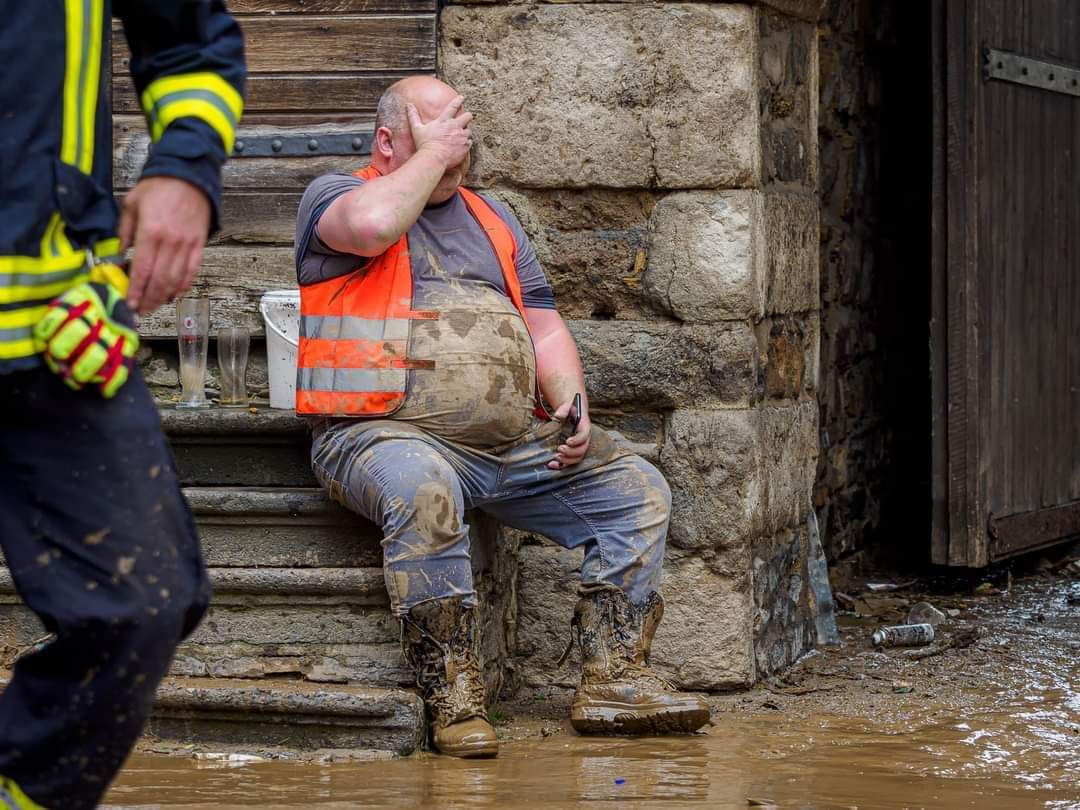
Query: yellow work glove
(88, 336)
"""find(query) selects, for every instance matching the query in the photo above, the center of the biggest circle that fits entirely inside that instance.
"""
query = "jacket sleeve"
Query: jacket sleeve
(187, 59)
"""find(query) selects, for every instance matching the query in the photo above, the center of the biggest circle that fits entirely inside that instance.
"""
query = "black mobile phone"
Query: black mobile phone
(574, 417)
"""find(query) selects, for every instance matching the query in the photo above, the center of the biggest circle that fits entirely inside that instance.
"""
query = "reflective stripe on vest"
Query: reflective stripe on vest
(354, 330)
(29, 283)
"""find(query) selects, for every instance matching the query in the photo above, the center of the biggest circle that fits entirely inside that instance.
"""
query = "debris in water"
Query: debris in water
(878, 587)
(903, 635)
(925, 613)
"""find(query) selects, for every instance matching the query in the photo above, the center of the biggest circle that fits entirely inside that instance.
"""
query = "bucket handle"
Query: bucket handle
(273, 328)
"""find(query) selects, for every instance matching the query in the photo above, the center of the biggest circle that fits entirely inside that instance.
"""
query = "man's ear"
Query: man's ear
(384, 142)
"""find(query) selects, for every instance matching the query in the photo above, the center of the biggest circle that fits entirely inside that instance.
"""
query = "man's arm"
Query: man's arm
(187, 60)
(367, 221)
(560, 377)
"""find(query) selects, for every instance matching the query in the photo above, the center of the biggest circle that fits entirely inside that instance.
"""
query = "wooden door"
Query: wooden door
(314, 66)
(1005, 333)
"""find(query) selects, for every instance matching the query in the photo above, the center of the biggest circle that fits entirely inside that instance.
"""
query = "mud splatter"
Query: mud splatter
(94, 538)
(437, 520)
(125, 565)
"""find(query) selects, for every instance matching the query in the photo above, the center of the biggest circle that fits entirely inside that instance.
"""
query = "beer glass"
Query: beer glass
(232, 351)
(193, 330)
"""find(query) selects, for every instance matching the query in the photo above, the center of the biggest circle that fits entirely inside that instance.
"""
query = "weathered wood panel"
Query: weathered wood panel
(276, 7)
(327, 44)
(233, 278)
(256, 217)
(291, 93)
(1007, 256)
(131, 142)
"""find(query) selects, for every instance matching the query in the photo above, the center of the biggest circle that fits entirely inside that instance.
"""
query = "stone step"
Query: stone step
(284, 715)
(282, 527)
(255, 447)
(319, 624)
(287, 714)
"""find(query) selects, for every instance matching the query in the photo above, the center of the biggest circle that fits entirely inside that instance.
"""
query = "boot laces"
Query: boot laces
(454, 699)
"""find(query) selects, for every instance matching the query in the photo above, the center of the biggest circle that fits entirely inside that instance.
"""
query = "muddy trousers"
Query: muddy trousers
(102, 547)
(417, 488)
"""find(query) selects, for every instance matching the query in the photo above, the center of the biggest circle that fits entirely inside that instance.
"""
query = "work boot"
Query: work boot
(619, 692)
(439, 642)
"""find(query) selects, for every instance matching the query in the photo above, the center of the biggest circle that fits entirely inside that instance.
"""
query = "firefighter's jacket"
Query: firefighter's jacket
(56, 203)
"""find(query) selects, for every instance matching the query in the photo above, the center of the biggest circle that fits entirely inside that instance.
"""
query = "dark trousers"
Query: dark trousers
(102, 546)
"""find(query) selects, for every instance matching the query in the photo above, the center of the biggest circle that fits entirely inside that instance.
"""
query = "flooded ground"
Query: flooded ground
(995, 724)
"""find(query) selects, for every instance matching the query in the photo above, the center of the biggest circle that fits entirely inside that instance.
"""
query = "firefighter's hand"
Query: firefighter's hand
(167, 220)
(575, 447)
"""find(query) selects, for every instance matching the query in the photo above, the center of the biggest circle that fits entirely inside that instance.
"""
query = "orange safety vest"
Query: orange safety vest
(354, 329)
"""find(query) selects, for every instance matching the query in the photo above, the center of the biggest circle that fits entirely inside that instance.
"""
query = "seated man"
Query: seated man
(428, 335)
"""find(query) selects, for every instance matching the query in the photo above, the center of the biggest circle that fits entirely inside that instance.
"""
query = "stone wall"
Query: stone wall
(663, 158)
(872, 490)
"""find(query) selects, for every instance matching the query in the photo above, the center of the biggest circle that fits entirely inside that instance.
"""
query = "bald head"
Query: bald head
(429, 95)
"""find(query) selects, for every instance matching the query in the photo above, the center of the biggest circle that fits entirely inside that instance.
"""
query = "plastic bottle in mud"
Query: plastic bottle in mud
(903, 635)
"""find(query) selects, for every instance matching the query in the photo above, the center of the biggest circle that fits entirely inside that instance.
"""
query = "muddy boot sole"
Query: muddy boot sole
(602, 717)
(471, 739)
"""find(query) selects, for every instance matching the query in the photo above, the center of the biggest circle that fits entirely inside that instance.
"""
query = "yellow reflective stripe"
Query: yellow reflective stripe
(88, 94)
(211, 82)
(11, 793)
(69, 143)
(195, 108)
(107, 247)
(21, 318)
(37, 292)
(205, 96)
(45, 264)
(10, 350)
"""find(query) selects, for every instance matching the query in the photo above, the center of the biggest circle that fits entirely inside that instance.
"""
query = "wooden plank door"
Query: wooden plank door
(1005, 332)
(313, 66)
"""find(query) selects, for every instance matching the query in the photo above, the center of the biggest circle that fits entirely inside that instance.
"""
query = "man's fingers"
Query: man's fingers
(168, 272)
(578, 438)
(464, 120)
(128, 220)
(142, 267)
(562, 411)
(413, 116)
(194, 259)
(452, 109)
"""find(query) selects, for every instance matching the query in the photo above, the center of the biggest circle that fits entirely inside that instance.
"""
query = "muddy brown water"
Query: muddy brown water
(994, 727)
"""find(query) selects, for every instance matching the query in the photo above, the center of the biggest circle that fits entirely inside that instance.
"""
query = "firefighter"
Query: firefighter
(94, 528)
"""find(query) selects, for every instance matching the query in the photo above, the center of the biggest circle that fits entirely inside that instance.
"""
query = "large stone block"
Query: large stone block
(548, 578)
(661, 365)
(705, 256)
(788, 95)
(716, 256)
(783, 618)
(789, 442)
(705, 639)
(616, 96)
(712, 461)
(592, 245)
(791, 255)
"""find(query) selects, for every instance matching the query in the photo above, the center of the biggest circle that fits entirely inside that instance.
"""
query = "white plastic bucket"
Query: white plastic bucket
(281, 313)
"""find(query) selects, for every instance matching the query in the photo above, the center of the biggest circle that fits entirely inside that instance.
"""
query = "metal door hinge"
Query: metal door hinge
(1012, 67)
(299, 144)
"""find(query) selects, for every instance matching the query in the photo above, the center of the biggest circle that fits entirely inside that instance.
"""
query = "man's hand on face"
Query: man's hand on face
(167, 220)
(447, 136)
(575, 447)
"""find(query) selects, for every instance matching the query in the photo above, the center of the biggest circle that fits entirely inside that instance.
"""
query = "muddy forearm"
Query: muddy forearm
(370, 219)
(558, 364)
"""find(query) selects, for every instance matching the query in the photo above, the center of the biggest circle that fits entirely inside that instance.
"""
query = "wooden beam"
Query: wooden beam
(290, 93)
(233, 278)
(326, 44)
(1031, 530)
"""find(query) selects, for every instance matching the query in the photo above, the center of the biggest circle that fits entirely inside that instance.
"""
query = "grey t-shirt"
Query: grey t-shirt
(446, 242)
(480, 389)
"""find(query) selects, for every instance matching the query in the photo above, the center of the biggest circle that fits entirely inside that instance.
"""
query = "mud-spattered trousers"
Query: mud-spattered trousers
(102, 546)
(417, 488)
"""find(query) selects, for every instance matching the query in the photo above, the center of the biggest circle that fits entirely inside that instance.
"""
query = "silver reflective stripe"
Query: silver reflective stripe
(16, 333)
(40, 279)
(349, 380)
(330, 327)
